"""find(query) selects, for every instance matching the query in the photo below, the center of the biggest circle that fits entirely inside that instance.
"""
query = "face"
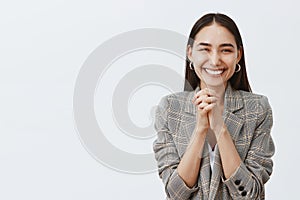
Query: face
(214, 55)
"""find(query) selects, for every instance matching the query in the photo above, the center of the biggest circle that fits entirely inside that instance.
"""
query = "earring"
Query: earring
(239, 68)
(191, 66)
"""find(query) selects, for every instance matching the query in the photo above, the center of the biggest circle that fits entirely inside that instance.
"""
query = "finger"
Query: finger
(211, 92)
(204, 91)
(200, 99)
(202, 105)
(209, 107)
(210, 100)
(205, 99)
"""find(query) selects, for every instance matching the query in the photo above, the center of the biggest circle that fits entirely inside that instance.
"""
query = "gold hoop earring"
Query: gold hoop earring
(191, 66)
(239, 68)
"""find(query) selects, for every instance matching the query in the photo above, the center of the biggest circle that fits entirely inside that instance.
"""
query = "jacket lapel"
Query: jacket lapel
(189, 107)
(205, 171)
(233, 102)
(190, 110)
(216, 175)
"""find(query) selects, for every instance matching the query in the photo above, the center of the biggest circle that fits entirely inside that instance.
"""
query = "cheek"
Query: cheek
(231, 68)
(199, 59)
(230, 63)
(230, 74)
(199, 71)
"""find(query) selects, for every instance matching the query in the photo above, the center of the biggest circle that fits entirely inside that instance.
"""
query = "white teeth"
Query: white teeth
(214, 72)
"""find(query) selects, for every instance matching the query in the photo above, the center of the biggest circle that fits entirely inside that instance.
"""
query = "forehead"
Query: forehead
(215, 34)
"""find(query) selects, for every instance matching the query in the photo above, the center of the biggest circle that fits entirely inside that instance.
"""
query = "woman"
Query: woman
(213, 139)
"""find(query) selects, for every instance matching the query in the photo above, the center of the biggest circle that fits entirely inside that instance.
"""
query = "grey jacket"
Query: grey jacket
(248, 118)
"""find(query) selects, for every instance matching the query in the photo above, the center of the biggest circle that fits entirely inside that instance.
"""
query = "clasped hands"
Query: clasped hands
(209, 111)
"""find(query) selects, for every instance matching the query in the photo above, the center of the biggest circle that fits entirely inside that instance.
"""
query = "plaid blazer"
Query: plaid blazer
(248, 118)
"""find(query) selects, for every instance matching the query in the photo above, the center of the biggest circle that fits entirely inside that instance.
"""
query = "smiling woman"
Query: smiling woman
(213, 139)
(215, 55)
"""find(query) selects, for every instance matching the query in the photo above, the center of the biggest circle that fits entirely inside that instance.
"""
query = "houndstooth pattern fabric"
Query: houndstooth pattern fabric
(248, 118)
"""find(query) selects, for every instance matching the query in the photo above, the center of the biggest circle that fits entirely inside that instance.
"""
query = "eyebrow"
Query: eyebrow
(222, 45)
(204, 44)
(227, 45)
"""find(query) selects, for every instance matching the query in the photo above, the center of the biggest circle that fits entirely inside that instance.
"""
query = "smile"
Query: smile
(214, 72)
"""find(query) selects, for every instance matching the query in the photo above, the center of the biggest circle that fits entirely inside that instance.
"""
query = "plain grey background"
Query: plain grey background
(43, 45)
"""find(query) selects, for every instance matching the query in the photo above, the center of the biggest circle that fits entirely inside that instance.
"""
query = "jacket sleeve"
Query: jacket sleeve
(247, 182)
(167, 156)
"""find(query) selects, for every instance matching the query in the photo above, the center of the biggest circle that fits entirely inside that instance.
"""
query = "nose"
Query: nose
(215, 58)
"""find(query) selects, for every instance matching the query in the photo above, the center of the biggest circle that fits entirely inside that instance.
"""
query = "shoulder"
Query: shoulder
(179, 96)
(258, 100)
(257, 105)
(176, 99)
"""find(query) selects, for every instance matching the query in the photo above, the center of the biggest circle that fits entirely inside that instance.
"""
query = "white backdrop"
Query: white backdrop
(43, 45)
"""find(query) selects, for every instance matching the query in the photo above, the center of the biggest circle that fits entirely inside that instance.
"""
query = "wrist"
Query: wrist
(220, 131)
(200, 130)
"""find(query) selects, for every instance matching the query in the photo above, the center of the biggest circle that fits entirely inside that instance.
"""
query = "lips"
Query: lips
(214, 71)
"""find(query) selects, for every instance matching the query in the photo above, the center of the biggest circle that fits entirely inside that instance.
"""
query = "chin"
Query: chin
(216, 85)
(213, 82)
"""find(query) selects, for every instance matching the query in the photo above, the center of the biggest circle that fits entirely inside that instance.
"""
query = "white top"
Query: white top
(212, 156)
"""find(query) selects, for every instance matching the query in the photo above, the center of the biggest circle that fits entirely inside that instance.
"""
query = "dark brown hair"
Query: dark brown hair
(239, 80)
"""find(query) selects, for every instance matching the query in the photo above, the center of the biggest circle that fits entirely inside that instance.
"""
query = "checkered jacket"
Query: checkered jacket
(248, 118)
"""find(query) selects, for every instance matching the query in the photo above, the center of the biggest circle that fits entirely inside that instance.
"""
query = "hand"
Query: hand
(209, 111)
(205, 102)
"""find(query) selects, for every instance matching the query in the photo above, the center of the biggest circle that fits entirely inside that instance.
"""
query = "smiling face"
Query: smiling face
(214, 55)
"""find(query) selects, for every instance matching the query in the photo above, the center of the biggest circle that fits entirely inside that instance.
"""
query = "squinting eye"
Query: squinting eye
(226, 50)
(204, 49)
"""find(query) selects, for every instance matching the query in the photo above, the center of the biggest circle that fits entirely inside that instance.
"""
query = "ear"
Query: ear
(189, 52)
(240, 53)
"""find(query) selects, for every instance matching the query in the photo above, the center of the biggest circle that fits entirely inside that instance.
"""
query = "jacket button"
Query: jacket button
(241, 188)
(237, 182)
(244, 193)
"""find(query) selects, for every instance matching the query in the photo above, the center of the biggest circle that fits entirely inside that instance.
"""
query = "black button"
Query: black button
(244, 193)
(241, 188)
(237, 182)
